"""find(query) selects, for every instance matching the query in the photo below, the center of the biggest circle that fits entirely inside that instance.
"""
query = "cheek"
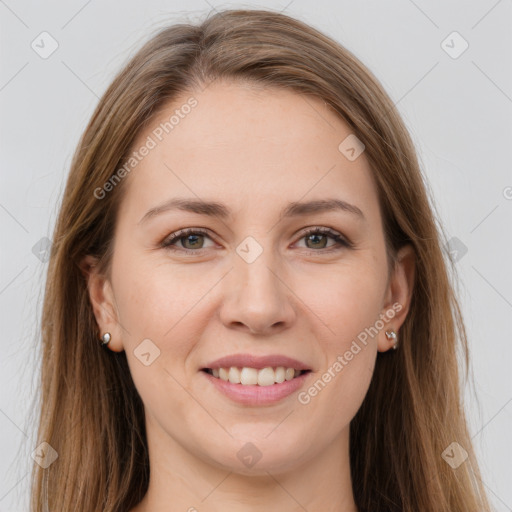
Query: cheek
(163, 304)
(346, 298)
(340, 386)
(152, 298)
(337, 398)
(156, 304)
(347, 303)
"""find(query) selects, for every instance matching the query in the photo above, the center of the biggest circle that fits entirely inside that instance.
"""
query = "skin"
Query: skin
(255, 150)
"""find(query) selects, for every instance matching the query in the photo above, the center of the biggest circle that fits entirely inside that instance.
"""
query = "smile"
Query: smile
(256, 387)
(253, 377)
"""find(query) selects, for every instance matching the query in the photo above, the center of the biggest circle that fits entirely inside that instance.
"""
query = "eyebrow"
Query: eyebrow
(221, 211)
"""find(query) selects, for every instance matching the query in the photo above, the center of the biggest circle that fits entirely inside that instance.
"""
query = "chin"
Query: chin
(259, 457)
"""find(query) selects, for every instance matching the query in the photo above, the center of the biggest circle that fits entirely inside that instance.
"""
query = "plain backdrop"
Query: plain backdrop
(454, 91)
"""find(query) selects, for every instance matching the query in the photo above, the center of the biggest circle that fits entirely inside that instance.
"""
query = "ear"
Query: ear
(103, 303)
(398, 296)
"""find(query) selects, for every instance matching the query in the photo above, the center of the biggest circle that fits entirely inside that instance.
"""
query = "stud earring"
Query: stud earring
(105, 339)
(391, 335)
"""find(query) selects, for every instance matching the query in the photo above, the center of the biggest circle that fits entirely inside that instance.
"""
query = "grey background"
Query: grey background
(457, 109)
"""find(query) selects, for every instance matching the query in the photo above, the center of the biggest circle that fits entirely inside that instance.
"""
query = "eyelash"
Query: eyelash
(169, 242)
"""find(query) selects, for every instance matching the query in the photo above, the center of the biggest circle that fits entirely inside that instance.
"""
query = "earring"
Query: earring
(105, 339)
(391, 335)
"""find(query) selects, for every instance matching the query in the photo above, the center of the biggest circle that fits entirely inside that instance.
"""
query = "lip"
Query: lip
(257, 395)
(257, 362)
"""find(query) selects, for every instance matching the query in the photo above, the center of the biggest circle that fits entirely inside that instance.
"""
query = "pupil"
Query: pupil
(311, 238)
(315, 236)
(192, 236)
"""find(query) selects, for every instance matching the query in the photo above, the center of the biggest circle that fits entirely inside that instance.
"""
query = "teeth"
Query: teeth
(251, 376)
(281, 374)
(234, 375)
(290, 373)
(266, 377)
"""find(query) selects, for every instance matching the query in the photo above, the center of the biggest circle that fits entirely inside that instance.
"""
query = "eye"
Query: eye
(316, 239)
(191, 239)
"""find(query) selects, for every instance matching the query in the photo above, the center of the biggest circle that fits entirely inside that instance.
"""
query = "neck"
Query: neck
(181, 481)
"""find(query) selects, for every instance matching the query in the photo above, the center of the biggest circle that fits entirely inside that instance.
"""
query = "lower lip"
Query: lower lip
(257, 395)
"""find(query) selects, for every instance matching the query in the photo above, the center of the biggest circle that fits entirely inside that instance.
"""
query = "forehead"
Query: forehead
(249, 147)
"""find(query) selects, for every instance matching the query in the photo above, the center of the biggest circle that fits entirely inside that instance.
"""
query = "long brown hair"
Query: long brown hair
(90, 411)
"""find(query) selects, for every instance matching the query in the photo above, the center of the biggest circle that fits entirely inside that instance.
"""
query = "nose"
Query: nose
(256, 297)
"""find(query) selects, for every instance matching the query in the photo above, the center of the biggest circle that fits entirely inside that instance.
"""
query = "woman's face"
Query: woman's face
(249, 281)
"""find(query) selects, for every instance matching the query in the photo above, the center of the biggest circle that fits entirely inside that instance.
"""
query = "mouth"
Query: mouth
(246, 376)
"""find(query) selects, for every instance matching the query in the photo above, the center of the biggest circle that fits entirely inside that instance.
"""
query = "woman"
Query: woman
(247, 305)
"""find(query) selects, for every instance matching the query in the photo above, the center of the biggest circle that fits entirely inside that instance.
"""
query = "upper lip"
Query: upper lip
(258, 362)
